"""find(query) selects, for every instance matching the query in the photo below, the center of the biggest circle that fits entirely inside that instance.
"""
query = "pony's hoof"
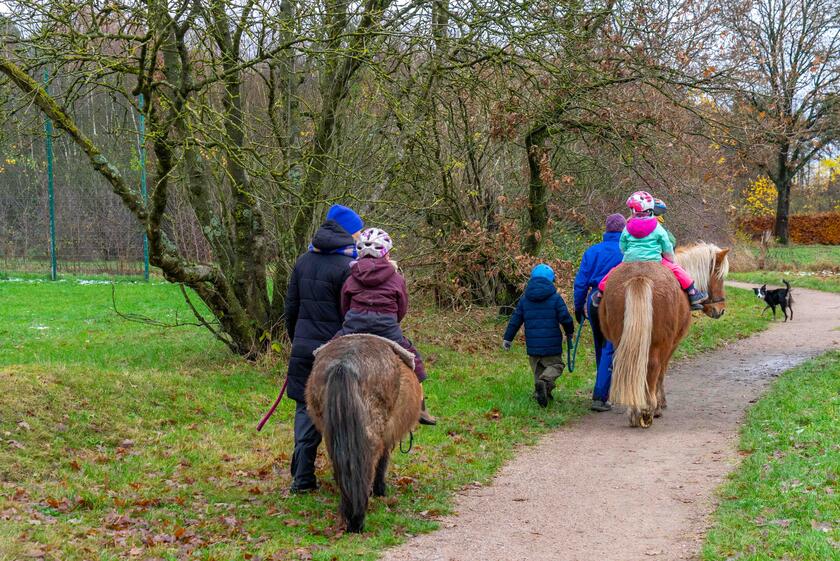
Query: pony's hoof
(646, 419)
(355, 526)
(634, 419)
(657, 413)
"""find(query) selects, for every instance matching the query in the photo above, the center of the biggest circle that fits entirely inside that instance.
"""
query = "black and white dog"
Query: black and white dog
(777, 297)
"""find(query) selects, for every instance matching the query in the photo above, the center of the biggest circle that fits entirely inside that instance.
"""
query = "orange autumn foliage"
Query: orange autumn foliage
(820, 228)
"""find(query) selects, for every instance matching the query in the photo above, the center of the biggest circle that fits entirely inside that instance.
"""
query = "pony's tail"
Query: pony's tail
(344, 428)
(629, 380)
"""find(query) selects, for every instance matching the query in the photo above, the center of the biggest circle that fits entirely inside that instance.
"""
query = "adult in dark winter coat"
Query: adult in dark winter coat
(313, 317)
(597, 261)
(543, 312)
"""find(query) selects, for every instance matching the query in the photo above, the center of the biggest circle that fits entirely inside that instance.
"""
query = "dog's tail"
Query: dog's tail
(789, 292)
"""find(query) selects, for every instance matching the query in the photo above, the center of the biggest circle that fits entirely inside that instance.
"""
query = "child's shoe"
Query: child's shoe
(425, 417)
(548, 392)
(696, 297)
(596, 298)
(540, 394)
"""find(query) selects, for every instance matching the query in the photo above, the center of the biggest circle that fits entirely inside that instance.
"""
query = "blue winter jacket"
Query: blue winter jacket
(543, 311)
(597, 262)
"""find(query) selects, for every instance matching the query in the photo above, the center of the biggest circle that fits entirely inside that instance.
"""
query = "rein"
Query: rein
(268, 415)
(410, 443)
(571, 354)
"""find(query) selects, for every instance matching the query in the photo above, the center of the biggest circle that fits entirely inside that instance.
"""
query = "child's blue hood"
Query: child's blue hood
(539, 289)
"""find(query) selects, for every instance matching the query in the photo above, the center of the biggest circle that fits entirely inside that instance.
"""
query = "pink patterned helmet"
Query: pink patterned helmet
(641, 201)
(374, 243)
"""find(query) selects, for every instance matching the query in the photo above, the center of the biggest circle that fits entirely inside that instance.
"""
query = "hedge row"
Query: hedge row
(822, 228)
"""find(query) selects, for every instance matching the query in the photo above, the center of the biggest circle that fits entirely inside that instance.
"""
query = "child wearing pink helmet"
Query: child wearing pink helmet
(374, 299)
(644, 239)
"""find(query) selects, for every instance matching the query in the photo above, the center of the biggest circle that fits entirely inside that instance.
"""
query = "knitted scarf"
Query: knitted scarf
(348, 250)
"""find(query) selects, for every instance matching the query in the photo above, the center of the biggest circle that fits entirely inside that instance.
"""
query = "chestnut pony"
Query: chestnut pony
(363, 396)
(645, 315)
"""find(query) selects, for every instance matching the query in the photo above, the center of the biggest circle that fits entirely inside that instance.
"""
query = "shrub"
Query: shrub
(822, 228)
(477, 265)
(742, 258)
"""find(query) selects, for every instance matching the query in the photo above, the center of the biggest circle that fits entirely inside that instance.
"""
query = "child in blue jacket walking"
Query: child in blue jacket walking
(543, 312)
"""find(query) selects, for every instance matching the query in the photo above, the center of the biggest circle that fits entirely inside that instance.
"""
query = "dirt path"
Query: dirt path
(598, 490)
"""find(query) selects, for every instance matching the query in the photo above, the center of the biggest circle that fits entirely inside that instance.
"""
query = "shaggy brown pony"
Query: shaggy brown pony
(645, 315)
(363, 396)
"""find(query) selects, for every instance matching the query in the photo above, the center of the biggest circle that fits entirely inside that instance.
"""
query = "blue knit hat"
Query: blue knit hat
(346, 218)
(542, 271)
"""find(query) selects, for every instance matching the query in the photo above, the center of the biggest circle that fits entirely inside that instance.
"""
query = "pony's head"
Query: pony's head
(708, 265)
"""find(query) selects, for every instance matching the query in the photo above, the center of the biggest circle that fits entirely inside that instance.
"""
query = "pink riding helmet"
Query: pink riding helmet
(641, 201)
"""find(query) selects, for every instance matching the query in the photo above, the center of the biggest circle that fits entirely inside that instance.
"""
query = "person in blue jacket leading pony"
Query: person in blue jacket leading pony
(543, 312)
(597, 261)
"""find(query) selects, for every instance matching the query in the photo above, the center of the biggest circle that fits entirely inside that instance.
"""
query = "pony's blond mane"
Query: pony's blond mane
(699, 260)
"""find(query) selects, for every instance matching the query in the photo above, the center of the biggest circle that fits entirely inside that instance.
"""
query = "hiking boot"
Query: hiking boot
(548, 392)
(541, 394)
(696, 298)
(296, 489)
(600, 406)
(425, 417)
(596, 298)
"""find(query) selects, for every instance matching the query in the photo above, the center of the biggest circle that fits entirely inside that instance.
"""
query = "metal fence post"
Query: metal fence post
(142, 147)
(48, 129)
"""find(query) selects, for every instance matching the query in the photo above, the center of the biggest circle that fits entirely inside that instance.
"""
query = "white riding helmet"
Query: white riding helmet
(374, 243)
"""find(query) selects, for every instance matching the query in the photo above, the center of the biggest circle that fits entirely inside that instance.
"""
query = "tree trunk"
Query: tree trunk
(783, 181)
(537, 203)
(781, 229)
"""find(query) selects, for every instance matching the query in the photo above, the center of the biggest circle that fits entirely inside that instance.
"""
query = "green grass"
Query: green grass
(783, 503)
(804, 256)
(803, 279)
(123, 440)
(801, 257)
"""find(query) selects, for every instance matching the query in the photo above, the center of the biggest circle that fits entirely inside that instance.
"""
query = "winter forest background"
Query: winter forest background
(484, 134)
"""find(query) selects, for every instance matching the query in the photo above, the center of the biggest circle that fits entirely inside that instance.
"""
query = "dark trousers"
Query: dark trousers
(603, 357)
(547, 369)
(307, 439)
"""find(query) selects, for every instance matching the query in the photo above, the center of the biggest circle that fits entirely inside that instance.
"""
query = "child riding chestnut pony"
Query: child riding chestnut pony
(644, 239)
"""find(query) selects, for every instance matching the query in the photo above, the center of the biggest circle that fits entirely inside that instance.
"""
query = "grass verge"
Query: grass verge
(803, 279)
(783, 502)
(121, 440)
(797, 257)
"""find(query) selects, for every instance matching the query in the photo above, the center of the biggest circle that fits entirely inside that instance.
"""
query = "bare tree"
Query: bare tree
(190, 60)
(443, 118)
(786, 111)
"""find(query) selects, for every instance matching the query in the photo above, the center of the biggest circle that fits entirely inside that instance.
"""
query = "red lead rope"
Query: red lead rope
(268, 415)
